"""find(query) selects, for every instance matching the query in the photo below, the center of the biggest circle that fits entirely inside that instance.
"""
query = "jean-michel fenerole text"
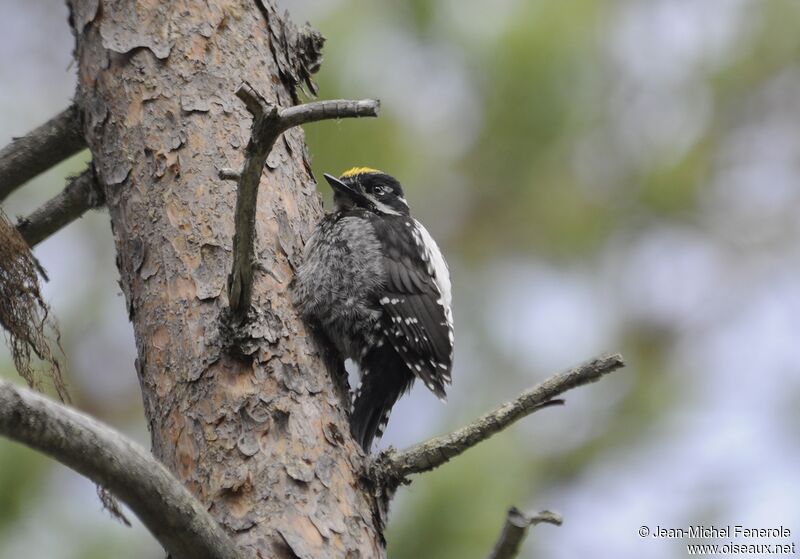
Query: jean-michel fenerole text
(721, 532)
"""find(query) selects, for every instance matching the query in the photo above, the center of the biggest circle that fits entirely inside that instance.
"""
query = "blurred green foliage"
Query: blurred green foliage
(20, 473)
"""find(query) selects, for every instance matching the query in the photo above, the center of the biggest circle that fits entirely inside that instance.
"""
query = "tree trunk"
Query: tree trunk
(250, 419)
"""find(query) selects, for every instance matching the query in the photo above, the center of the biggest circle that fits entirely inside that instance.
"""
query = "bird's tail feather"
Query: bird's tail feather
(384, 378)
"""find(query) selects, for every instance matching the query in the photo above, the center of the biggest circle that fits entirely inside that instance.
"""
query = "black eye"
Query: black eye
(380, 190)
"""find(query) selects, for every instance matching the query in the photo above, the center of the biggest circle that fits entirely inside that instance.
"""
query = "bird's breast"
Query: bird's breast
(338, 279)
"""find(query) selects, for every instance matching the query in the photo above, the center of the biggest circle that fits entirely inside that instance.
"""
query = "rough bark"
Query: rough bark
(250, 419)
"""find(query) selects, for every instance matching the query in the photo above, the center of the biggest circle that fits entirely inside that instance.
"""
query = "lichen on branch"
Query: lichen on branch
(29, 326)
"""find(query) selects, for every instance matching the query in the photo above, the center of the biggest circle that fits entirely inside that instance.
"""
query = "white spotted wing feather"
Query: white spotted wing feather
(417, 302)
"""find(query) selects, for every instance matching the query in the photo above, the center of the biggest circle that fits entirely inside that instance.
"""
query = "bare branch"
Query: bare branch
(81, 194)
(40, 149)
(392, 467)
(516, 528)
(177, 520)
(228, 174)
(333, 109)
(269, 122)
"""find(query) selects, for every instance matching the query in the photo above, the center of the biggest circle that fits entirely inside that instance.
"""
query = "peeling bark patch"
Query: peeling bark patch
(287, 239)
(186, 451)
(150, 267)
(123, 26)
(248, 443)
(240, 516)
(328, 523)
(137, 252)
(299, 470)
(324, 469)
(160, 339)
(206, 90)
(115, 173)
(181, 288)
(195, 103)
(313, 384)
(297, 51)
(255, 424)
(209, 276)
(257, 410)
(267, 325)
(282, 549)
(281, 419)
(167, 162)
(235, 481)
(325, 517)
(241, 524)
(320, 525)
(287, 144)
(177, 139)
(303, 539)
(291, 377)
(274, 159)
(261, 324)
(83, 13)
(97, 113)
(275, 272)
(332, 434)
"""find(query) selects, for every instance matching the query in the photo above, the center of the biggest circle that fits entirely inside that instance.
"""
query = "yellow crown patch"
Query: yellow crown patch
(358, 171)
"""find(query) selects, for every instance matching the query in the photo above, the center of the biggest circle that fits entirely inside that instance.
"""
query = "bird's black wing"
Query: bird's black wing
(416, 318)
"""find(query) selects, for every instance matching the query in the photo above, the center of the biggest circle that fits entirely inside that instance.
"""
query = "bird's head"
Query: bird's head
(369, 189)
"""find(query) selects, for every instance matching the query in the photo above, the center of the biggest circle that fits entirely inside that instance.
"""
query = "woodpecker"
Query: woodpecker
(376, 284)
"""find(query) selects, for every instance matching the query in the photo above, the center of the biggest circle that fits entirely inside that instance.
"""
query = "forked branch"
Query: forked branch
(516, 528)
(269, 122)
(40, 149)
(178, 521)
(392, 467)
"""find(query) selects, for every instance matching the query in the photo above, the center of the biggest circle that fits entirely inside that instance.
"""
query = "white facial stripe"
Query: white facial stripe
(381, 207)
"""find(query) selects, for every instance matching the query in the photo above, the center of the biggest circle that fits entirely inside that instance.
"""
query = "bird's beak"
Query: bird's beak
(341, 188)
